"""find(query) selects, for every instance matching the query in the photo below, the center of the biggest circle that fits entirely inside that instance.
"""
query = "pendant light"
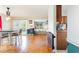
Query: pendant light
(8, 14)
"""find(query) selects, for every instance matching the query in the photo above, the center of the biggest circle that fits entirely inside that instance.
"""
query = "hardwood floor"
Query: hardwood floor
(38, 44)
(8, 49)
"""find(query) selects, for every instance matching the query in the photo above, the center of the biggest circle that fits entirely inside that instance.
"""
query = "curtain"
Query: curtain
(0, 23)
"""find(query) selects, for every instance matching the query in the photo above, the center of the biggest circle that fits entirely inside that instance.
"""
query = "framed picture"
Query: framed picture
(30, 21)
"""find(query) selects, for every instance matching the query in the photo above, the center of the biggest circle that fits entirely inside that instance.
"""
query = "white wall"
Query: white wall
(64, 10)
(26, 10)
(52, 21)
(73, 24)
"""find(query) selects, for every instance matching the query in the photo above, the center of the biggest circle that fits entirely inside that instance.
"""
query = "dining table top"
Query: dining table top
(9, 31)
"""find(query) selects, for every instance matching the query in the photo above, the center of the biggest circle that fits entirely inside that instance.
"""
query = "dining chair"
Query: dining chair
(17, 37)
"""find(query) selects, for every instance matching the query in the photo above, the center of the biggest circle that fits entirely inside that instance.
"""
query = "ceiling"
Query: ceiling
(26, 10)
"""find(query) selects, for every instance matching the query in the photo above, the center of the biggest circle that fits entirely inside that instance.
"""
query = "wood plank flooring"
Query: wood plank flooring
(38, 44)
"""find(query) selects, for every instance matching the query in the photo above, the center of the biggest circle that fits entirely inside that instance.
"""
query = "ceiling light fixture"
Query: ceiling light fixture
(8, 14)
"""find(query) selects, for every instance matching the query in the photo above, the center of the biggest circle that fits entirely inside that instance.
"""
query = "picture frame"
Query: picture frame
(30, 21)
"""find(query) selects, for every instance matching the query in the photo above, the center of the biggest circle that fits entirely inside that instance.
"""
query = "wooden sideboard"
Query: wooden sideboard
(61, 39)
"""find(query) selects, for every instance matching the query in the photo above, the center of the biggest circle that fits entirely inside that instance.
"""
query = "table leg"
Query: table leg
(9, 40)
